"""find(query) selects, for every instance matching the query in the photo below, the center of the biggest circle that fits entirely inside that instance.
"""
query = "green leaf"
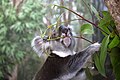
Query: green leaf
(100, 60)
(98, 65)
(105, 28)
(3, 49)
(1, 74)
(3, 29)
(103, 50)
(86, 29)
(105, 22)
(114, 42)
(1, 17)
(95, 11)
(103, 55)
(106, 14)
(21, 16)
(115, 60)
(112, 34)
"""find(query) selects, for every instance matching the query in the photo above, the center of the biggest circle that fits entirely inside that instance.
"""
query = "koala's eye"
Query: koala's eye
(55, 34)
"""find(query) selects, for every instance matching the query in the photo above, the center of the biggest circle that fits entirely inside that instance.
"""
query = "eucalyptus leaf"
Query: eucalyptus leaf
(86, 29)
(105, 22)
(103, 53)
(105, 28)
(103, 50)
(114, 42)
(1, 74)
(95, 11)
(98, 64)
(1, 17)
(100, 60)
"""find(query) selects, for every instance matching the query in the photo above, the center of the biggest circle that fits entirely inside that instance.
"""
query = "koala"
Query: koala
(62, 63)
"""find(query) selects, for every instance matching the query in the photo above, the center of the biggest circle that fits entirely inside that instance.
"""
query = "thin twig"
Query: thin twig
(73, 36)
(83, 38)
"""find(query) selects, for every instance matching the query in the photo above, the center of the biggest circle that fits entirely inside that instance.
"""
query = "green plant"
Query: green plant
(110, 45)
(16, 32)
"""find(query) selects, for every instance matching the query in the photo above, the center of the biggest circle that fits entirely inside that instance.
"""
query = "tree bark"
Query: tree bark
(14, 73)
(17, 4)
(114, 9)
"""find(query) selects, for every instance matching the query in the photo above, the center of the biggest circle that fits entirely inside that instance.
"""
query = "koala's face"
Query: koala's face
(60, 43)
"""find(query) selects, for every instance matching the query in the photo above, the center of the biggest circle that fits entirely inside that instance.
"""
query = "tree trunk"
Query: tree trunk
(14, 73)
(114, 9)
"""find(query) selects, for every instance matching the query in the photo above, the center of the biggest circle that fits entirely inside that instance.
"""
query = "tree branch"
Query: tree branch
(81, 17)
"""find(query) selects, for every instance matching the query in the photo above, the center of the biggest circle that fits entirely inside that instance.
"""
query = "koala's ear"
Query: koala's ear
(36, 45)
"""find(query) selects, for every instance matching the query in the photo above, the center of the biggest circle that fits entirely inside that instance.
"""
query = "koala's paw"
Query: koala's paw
(95, 47)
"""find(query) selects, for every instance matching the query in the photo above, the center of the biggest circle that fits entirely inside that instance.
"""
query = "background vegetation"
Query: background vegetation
(20, 20)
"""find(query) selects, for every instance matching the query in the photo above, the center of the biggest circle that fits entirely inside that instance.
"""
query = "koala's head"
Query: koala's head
(61, 47)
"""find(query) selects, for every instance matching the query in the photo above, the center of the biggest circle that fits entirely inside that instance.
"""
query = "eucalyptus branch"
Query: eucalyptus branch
(82, 17)
(83, 38)
(73, 36)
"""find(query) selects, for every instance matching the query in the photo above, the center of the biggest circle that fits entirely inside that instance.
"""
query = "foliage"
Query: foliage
(100, 60)
(110, 43)
(86, 29)
(16, 31)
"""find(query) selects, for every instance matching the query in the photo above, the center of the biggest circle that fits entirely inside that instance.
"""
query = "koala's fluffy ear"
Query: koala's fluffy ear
(36, 45)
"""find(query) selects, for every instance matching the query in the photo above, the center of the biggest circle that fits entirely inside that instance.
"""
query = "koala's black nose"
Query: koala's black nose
(63, 29)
